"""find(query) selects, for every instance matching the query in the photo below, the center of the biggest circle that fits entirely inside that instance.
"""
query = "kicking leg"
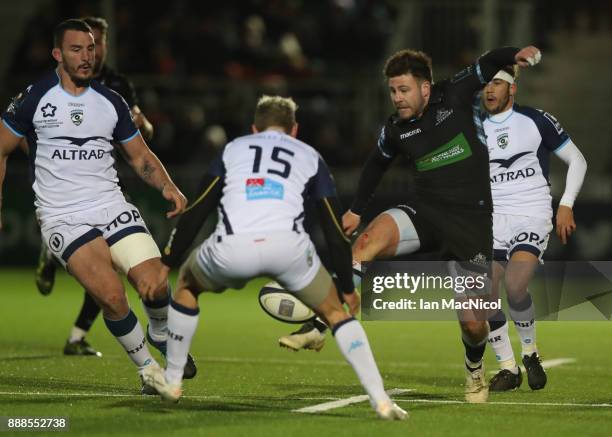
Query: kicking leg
(390, 234)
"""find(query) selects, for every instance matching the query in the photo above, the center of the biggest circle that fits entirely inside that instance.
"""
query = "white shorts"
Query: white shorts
(119, 223)
(230, 261)
(516, 232)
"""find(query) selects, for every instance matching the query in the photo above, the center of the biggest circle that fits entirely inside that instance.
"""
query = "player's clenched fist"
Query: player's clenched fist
(528, 56)
(178, 199)
(350, 221)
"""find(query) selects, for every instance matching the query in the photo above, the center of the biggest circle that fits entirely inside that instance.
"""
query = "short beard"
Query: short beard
(81, 83)
(501, 107)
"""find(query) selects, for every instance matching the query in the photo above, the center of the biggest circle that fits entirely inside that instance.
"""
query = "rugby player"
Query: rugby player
(71, 123)
(45, 272)
(437, 127)
(520, 140)
(257, 184)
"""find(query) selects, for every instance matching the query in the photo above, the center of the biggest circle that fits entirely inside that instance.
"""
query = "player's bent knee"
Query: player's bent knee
(476, 330)
(380, 238)
(192, 278)
(133, 250)
(113, 305)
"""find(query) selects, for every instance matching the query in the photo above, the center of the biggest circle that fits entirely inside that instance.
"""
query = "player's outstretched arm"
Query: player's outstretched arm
(189, 224)
(473, 78)
(8, 142)
(150, 169)
(371, 174)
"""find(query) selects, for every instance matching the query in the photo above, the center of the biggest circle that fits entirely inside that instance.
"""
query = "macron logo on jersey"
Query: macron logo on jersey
(264, 188)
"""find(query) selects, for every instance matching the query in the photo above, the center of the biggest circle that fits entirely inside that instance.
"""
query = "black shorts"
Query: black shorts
(459, 235)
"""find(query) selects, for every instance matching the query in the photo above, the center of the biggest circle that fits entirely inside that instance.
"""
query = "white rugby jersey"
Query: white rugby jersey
(266, 179)
(520, 141)
(69, 139)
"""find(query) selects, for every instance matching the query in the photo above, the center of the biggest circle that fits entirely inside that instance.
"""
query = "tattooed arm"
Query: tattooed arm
(150, 169)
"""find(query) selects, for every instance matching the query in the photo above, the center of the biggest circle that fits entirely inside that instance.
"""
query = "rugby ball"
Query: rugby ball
(282, 305)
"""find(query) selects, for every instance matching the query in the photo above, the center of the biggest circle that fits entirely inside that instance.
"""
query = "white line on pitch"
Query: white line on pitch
(344, 402)
(547, 364)
(136, 395)
(289, 361)
(534, 404)
(361, 399)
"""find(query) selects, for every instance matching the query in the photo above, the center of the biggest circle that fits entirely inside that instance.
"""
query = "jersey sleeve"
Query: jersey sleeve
(385, 144)
(339, 245)
(189, 224)
(371, 174)
(322, 183)
(19, 114)
(125, 130)
(216, 167)
(553, 135)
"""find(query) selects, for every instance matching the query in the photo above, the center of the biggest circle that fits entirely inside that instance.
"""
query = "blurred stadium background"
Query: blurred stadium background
(199, 67)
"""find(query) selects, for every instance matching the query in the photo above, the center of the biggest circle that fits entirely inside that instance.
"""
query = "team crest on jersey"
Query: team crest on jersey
(442, 115)
(76, 115)
(264, 188)
(502, 141)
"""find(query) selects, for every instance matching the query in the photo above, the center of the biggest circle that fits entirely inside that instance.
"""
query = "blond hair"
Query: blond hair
(275, 111)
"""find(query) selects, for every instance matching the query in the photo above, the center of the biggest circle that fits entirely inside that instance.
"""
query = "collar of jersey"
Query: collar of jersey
(502, 116)
(59, 84)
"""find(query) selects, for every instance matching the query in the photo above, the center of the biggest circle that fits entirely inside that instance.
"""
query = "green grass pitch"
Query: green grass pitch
(247, 385)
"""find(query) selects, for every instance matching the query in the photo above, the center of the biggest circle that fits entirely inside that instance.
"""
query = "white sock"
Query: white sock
(77, 334)
(182, 324)
(499, 339)
(353, 344)
(524, 321)
(157, 312)
(130, 335)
